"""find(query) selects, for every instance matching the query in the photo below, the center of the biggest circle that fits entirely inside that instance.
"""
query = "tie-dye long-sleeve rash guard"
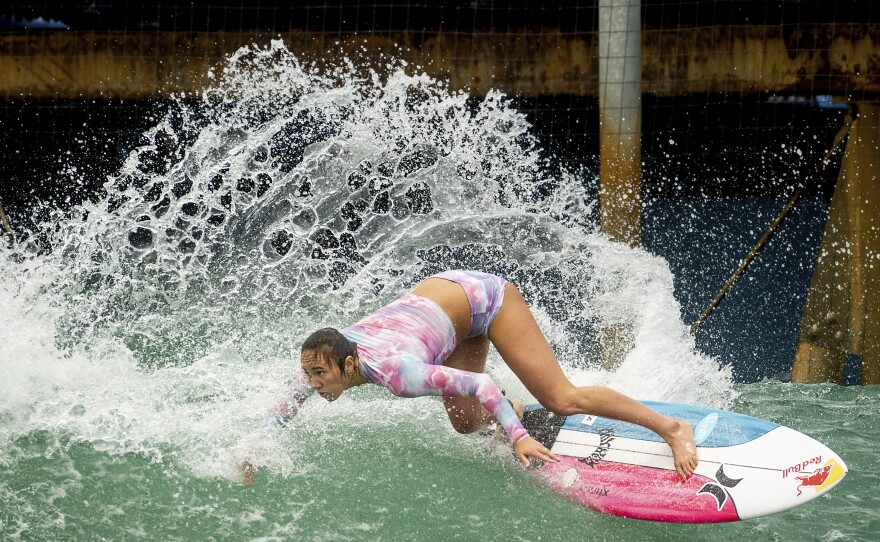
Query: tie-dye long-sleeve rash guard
(402, 347)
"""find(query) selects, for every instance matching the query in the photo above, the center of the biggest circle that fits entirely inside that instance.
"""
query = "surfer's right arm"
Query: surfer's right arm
(277, 417)
(289, 406)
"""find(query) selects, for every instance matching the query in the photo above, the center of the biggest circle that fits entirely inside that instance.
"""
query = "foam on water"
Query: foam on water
(164, 318)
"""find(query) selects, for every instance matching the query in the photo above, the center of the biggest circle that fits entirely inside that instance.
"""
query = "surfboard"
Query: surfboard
(748, 467)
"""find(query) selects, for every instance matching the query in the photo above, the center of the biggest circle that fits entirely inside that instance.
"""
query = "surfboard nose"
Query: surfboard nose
(840, 463)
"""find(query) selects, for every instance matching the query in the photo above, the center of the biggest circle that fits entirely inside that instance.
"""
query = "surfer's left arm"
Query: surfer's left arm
(407, 376)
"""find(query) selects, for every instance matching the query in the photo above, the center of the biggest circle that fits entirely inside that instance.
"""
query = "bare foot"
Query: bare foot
(684, 450)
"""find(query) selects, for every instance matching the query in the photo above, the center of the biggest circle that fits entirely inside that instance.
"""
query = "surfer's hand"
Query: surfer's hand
(246, 472)
(529, 447)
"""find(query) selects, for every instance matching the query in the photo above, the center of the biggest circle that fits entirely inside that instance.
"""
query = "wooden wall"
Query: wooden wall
(836, 59)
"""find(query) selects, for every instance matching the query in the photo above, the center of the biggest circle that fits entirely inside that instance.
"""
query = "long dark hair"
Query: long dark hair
(329, 344)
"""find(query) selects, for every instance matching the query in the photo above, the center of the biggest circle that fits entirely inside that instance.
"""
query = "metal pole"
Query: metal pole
(620, 119)
(620, 151)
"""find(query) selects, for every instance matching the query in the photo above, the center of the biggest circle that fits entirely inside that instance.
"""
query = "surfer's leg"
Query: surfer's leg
(517, 337)
(466, 413)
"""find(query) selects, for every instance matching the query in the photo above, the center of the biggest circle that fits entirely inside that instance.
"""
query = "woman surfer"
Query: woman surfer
(435, 340)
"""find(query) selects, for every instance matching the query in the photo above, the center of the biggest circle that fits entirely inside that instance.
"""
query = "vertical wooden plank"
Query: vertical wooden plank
(842, 314)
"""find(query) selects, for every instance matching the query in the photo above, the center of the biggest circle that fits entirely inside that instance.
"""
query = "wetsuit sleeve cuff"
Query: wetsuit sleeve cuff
(519, 438)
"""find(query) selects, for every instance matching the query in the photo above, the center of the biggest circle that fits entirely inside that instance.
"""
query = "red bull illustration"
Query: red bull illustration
(816, 479)
(819, 479)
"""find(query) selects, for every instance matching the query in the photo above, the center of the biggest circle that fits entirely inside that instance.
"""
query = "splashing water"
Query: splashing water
(163, 319)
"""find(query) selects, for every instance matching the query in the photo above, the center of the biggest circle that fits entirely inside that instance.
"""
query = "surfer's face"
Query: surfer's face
(324, 375)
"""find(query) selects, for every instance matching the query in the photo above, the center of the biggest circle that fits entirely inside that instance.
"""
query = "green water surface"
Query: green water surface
(405, 480)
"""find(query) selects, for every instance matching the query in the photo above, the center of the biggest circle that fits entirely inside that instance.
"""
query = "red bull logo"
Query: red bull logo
(800, 467)
(821, 478)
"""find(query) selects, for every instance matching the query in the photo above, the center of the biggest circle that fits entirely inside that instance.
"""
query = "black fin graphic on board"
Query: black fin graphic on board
(717, 492)
(724, 480)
